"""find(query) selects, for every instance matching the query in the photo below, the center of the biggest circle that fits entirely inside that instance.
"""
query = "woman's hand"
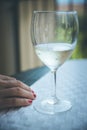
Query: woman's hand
(14, 93)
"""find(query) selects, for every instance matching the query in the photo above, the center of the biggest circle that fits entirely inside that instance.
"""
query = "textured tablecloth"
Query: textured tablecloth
(71, 85)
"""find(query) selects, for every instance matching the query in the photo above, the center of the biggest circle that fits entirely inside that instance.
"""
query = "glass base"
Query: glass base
(47, 107)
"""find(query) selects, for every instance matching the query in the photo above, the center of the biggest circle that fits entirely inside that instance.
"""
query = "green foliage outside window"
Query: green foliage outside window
(81, 48)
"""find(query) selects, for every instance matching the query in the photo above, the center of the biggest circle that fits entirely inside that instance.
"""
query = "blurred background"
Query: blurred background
(16, 50)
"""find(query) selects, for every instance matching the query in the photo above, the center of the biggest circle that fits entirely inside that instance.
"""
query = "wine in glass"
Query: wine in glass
(54, 37)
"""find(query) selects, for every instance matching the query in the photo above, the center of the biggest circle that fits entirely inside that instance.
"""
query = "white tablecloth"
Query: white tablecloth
(71, 85)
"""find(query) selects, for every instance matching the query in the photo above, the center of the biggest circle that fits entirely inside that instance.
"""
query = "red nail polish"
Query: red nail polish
(32, 91)
(30, 101)
(34, 95)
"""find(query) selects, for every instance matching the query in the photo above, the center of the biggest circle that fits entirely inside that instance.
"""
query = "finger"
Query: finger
(23, 85)
(7, 83)
(4, 77)
(13, 83)
(17, 92)
(14, 102)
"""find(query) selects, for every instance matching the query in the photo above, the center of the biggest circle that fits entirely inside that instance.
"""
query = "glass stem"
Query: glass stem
(54, 99)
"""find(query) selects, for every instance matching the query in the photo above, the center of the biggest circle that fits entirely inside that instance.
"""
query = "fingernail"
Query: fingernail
(32, 91)
(34, 95)
(30, 101)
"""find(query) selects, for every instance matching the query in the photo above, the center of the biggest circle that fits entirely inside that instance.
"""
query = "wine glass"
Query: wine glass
(54, 37)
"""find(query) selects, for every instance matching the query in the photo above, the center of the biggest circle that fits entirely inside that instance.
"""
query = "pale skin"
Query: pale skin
(14, 93)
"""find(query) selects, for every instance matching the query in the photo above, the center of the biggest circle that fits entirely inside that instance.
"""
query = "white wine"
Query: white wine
(54, 54)
(54, 37)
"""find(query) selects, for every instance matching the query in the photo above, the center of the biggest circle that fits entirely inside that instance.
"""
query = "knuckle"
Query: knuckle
(19, 83)
(18, 90)
(25, 102)
(14, 101)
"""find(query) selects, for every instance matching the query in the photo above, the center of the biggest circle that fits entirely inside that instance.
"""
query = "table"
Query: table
(72, 85)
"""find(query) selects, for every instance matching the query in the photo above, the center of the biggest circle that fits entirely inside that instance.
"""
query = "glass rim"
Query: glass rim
(58, 12)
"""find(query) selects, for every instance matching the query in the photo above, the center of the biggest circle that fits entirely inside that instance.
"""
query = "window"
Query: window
(81, 7)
